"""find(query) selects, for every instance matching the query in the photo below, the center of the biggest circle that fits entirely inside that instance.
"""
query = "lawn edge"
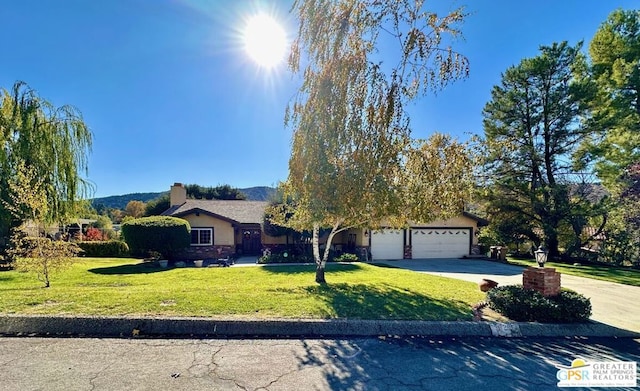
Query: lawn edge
(185, 327)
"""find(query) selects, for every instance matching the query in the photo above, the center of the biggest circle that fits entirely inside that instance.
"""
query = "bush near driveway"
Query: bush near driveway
(528, 305)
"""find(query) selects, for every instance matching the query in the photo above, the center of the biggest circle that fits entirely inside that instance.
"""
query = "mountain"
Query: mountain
(257, 193)
(121, 201)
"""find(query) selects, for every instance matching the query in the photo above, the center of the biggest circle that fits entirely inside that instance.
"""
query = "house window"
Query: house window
(201, 236)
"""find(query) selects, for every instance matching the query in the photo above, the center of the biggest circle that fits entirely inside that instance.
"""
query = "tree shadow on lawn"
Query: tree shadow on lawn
(627, 277)
(298, 269)
(6, 277)
(138, 268)
(384, 301)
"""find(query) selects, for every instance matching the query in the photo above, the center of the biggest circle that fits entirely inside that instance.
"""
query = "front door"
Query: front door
(251, 242)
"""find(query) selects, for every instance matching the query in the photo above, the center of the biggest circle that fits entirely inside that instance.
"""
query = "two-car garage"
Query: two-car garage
(440, 243)
(421, 243)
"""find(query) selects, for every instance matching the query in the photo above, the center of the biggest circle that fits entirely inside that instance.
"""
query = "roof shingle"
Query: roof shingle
(243, 212)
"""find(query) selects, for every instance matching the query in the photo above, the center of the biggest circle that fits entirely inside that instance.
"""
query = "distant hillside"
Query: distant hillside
(258, 193)
(121, 201)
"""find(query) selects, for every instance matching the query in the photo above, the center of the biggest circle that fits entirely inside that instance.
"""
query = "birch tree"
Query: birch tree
(362, 62)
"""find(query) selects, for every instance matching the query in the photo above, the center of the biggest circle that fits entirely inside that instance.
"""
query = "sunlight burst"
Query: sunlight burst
(265, 41)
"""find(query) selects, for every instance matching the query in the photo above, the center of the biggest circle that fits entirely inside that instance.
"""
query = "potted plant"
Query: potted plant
(198, 263)
(157, 256)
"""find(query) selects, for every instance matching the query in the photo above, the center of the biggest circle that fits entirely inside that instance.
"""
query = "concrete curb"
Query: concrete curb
(20, 325)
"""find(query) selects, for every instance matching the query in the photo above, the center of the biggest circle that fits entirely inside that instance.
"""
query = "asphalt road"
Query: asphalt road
(298, 364)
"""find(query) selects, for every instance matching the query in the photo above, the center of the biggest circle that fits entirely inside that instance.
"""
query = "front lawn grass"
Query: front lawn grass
(621, 275)
(117, 287)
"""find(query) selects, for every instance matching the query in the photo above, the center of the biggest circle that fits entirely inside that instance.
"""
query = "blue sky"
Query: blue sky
(171, 96)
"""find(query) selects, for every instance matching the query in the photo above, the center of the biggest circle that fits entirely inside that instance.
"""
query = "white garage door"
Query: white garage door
(387, 244)
(439, 243)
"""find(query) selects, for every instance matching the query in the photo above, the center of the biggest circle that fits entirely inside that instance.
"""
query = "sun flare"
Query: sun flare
(265, 41)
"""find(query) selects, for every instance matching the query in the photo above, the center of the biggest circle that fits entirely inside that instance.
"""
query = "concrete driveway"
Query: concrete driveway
(613, 304)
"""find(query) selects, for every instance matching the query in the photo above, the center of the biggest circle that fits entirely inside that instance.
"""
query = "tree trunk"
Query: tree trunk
(552, 245)
(320, 274)
(315, 241)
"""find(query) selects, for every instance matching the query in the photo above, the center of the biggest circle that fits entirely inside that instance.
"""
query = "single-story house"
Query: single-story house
(221, 228)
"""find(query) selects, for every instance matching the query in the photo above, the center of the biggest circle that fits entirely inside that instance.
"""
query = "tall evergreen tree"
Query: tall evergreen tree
(531, 133)
(614, 121)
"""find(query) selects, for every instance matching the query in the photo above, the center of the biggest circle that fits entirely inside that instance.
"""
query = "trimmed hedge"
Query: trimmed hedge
(164, 234)
(110, 248)
(529, 305)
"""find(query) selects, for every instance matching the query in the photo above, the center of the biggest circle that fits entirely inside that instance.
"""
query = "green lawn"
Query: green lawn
(126, 287)
(620, 275)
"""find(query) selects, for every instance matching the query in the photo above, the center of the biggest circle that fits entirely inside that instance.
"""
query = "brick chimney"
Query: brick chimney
(178, 194)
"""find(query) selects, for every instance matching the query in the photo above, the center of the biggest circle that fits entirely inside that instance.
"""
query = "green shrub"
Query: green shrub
(164, 234)
(529, 305)
(347, 257)
(281, 258)
(110, 248)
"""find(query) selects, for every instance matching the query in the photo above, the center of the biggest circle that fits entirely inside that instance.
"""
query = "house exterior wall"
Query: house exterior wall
(223, 231)
(223, 244)
(273, 240)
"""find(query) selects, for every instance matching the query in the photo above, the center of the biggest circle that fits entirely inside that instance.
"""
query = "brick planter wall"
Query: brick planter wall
(206, 252)
(545, 280)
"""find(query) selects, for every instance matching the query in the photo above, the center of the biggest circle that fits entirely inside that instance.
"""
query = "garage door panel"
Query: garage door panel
(439, 243)
(387, 244)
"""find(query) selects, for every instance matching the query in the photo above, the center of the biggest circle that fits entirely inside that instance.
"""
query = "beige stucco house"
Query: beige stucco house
(222, 228)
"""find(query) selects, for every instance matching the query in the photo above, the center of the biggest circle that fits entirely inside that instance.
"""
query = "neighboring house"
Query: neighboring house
(69, 230)
(222, 228)
(76, 227)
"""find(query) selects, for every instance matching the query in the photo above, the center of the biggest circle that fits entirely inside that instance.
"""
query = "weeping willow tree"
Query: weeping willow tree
(53, 142)
(362, 61)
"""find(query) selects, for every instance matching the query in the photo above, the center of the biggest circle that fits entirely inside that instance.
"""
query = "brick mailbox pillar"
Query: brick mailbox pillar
(545, 280)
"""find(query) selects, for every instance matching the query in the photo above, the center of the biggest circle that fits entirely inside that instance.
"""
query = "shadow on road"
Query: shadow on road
(455, 363)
